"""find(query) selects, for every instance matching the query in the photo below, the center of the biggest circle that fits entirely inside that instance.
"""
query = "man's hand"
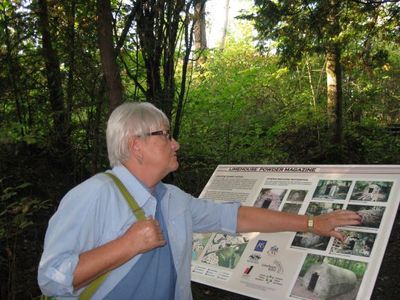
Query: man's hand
(325, 224)
(143, 236)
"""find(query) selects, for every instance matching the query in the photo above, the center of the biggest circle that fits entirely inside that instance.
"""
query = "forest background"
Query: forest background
(305, 82)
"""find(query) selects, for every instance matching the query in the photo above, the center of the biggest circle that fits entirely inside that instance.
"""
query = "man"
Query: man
(94, 231)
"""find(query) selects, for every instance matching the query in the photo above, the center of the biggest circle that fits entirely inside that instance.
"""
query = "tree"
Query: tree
(71, 18)
(108, 53)
(60, 116)
(11, 62)
(157, 27)
(188, 29)
(225, 27)
(326, 27)
(334, 71)
(200, 38)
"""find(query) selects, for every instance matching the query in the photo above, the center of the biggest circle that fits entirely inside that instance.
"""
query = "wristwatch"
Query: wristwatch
(310, 223)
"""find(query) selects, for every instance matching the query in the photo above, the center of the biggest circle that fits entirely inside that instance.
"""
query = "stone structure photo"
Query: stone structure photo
(326, 280)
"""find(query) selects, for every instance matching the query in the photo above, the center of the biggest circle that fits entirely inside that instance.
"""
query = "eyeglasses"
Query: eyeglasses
(165, 133)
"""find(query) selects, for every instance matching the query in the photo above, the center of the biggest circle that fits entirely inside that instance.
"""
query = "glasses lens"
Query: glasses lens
(164, 133)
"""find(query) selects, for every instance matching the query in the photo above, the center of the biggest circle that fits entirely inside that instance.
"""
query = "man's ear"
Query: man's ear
(134, 145)
(135, 148)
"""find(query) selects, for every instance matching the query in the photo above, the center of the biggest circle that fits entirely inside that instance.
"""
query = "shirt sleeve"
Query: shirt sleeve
(207, 215)
(73, 229)
(210, 216)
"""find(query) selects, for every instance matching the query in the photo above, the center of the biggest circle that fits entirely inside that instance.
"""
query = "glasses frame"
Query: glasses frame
(165, 133)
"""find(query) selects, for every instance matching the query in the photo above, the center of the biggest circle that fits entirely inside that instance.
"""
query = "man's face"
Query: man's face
(160, 152)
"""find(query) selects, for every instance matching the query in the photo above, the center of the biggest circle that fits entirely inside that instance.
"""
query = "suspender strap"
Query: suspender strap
(137, 210)
(139, 214)
(93, 287)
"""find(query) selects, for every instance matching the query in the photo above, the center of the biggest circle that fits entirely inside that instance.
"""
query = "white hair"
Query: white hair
(128, 120)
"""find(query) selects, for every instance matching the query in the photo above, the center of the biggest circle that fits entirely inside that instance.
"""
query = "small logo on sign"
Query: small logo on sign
(273, 250)
(254, 258)
(248, 270)
(275, 267)
(260, 245)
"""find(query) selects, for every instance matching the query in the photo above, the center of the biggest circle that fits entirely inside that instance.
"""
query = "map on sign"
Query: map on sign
(297, 265)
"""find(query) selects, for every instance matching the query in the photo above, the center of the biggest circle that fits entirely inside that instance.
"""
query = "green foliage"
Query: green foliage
(22, 216)
(244, 108)
(300, 137)
(371, 143)
(306, 27)
(237, 102)
(224, 103)
(17, 211)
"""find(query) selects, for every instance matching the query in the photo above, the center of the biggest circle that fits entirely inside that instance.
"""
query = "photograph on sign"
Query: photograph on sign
(324, 277)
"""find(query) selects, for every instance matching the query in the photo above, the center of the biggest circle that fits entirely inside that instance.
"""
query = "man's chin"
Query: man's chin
(175, 167)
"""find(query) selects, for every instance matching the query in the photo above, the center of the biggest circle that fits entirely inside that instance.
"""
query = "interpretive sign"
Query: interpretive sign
(299, 265)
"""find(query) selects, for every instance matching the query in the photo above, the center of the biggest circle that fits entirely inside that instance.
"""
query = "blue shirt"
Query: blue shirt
(153, 277)
(94, 213)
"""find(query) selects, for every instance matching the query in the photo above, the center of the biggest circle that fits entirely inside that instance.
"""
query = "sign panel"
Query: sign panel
(292, 265)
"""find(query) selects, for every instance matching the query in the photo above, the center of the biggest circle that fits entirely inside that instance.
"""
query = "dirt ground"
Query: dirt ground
(387, 285)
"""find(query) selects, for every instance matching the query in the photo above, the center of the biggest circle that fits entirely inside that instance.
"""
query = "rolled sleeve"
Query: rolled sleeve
(228, 217)
(73, 229)
(210, 216)
(55, 278)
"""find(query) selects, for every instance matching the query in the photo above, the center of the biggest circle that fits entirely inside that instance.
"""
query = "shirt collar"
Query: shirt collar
(134, 186)
(159, 191)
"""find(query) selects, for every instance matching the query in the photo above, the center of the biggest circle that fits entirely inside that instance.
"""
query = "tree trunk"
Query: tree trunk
(157, 27)
(334, 74)
(225, 28)
(13, 74)
(71, 10)
(107, 53)
(334, 94)
(200, 39)
(199, 31)
(59, 115)
(188, 32)
(173, 17)
(150, 25)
